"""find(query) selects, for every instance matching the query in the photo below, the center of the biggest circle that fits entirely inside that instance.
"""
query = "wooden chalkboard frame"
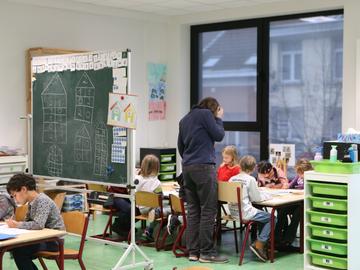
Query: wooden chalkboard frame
(30, 54)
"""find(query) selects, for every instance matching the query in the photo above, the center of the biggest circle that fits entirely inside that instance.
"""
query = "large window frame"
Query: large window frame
(261, 124)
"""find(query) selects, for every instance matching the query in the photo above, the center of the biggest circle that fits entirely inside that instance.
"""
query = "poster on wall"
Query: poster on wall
(156, 75)
(282, 151)
(122, 111)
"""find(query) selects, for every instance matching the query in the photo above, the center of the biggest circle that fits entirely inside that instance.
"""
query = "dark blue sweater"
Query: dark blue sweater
(198, 131)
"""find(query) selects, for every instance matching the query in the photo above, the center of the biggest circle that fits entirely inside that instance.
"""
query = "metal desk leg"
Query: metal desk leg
(61, 254)
(1, 258)
(302, 227)
(272, 235)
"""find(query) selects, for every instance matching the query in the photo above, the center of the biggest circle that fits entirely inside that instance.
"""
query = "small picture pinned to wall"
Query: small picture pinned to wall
(282, 151)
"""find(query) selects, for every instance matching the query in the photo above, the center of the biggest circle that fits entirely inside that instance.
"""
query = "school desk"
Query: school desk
(35, 237)
(279, 201)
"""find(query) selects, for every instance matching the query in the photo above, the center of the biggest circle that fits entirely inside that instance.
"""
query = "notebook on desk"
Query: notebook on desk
(4, 236)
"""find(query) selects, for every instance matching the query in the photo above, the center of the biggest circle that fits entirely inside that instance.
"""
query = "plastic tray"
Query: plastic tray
(328, 261)
(328, 189)
(328, 233)
(327, 166)
(166, 158)
(327, 218)
(167, 167)
(167, 176)
(328, 204)
(328, 247)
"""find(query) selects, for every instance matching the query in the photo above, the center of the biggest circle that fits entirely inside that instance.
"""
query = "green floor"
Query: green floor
(98, 256)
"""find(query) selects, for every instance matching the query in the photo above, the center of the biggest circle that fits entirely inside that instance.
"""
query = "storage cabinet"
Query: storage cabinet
(167, 158)
(10, 165)
(332, 221)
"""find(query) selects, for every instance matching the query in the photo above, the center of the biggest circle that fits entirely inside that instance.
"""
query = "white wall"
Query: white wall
(179, 64)
(24, 26)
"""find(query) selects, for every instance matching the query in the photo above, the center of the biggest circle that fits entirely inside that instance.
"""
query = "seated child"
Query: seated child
(148, 181)
(229, 167)
(7, 206)
(42, 213)
(271, 177)
(285, 233)
(251, 193)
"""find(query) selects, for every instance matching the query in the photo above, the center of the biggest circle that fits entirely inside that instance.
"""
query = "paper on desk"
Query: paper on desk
(4, 229)
(278, 192)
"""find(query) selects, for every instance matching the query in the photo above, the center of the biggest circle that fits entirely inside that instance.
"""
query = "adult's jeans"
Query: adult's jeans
(201, 195)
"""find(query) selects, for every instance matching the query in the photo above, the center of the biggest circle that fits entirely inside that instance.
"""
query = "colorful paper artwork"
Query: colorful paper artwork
(122, 110)
(157, 87)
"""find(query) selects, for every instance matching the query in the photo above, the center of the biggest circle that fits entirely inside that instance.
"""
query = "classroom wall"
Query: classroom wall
(24, 26)
(179, 63)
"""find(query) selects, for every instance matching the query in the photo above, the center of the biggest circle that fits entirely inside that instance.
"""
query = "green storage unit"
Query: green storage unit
(328, 247)
(328, 203)
(328, 261)
(327, 218)
(327, 166)
(328, 189)
(167, 158)
(328, 232)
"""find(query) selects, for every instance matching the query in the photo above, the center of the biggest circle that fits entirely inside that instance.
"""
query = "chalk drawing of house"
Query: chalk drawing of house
(54, 108)
(82, 146)
(129, 113)
(84, 99)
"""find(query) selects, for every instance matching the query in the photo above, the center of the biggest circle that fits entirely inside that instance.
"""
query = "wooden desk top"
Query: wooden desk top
(32, 236)
(278, 200)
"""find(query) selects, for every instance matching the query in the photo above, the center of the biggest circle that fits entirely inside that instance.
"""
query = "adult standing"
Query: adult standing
(198, 131)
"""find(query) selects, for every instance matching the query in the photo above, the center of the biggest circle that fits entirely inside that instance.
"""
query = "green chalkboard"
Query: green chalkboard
(70, 136)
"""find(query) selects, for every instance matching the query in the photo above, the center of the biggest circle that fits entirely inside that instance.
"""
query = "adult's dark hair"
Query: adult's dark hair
(209, 103)
(21, 180)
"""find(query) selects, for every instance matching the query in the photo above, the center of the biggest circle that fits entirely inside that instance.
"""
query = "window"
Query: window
(279, 79)
(291, 65)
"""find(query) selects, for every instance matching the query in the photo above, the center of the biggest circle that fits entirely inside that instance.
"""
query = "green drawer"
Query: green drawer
(167, 158)
(327, 166)
(327, 218)
(167, 167)
(328, 232)
(328, 261)
(328, 247)
(167, 176)
(328, 203)
(328, 189)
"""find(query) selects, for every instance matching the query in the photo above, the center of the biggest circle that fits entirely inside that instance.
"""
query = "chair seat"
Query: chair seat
(228, 218)
(54, 254)
(143, 217)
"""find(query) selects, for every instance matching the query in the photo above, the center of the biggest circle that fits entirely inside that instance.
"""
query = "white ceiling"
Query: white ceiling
(157, 7)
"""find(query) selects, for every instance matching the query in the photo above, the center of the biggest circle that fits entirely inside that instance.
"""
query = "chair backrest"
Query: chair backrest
(96, 187)
(76, 222)
(148, 199)
(176, 203)
(20, 212)
(227, 191)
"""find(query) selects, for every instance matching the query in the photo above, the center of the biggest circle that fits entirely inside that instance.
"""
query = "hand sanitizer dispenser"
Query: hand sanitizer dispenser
(333, 153)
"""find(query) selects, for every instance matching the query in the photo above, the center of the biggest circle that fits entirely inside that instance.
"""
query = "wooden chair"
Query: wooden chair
(20, 212)
(152, 200)
(231, 192)
(76, 223)
(178, 208)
